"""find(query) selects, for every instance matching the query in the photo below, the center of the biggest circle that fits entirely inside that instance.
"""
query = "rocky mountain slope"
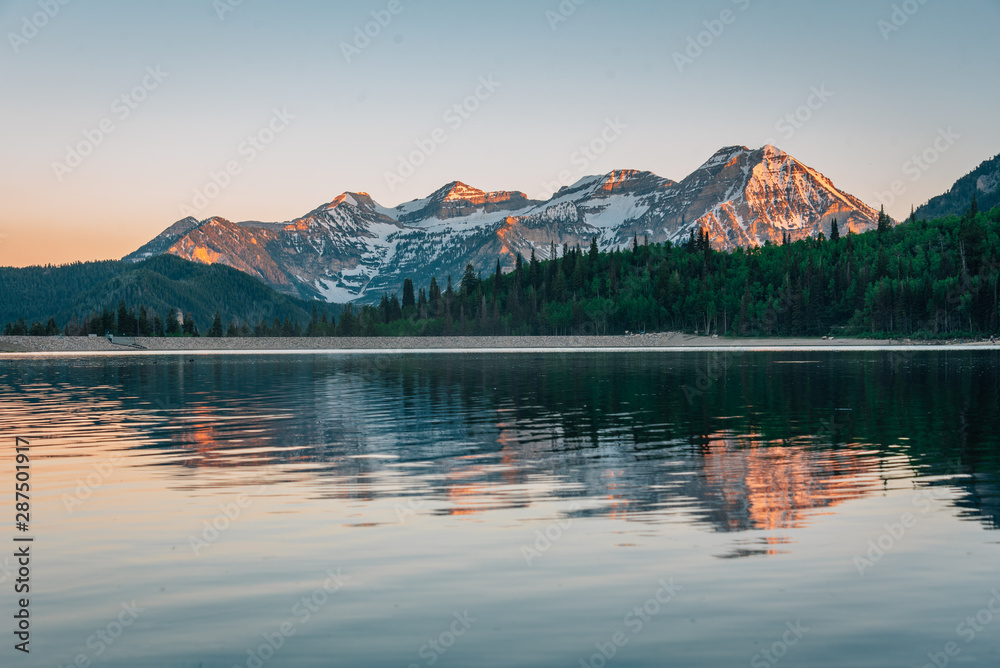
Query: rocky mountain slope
(983, 181)
(354, 249)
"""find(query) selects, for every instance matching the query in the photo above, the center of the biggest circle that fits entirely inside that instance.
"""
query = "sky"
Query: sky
(123, 116)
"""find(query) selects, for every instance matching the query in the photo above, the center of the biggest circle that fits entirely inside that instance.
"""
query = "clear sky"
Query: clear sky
(159, 95)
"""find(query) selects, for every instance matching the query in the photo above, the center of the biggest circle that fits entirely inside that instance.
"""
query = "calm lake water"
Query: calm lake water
(586, 509)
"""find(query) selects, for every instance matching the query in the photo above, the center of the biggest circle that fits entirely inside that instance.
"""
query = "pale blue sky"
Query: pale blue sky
(887, 99)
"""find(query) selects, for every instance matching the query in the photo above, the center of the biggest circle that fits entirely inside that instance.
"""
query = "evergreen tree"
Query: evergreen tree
(347, 326)
(434, 299)
(173, 323)
(422, 304)
(144, 327)
(449, 297)
(469, 281)
(216, 330)
(395, 310)
(383, 309)
(834, 231)
(409, 303)
(123, 326)
(189, 328)
(313, 328)
(884, 222)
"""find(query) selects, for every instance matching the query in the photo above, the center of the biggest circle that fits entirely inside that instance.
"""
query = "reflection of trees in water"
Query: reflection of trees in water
(737, 440)
(980, 499)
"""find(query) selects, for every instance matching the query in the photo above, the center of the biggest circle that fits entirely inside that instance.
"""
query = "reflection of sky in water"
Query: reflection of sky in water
(429, 479)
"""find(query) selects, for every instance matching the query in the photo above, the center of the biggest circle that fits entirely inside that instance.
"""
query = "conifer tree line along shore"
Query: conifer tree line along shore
(922, 279)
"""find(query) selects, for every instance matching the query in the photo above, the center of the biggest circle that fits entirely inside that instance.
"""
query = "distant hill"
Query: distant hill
(984, 181)
(159, 283)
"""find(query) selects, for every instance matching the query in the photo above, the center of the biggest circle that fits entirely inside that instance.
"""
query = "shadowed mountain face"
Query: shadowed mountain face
(355, 249)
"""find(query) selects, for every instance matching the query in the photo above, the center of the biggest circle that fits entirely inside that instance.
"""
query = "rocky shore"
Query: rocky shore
(59, 344)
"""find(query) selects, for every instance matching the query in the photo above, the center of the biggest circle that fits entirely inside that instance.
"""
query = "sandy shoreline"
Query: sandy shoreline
(36, 345)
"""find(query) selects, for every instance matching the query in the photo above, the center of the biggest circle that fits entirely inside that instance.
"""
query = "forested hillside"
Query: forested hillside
(71, 295)
(983, 183)
(921, 278)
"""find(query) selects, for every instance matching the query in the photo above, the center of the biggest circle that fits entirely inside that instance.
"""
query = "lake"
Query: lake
(720, 508)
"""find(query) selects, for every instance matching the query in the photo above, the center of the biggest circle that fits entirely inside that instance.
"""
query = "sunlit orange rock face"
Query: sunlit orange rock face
(780, 195)
(457, 200)
(356, 249)
(240, 247)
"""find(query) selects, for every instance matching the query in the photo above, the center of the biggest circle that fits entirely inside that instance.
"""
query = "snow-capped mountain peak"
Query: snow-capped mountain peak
(353, 248)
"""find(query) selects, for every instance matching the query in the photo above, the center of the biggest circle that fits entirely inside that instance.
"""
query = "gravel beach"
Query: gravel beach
(59, 344)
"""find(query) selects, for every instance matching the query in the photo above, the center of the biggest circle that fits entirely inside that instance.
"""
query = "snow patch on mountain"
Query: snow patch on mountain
(353, 248)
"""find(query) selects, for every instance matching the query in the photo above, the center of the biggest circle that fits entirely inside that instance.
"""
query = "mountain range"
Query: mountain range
(354, 249)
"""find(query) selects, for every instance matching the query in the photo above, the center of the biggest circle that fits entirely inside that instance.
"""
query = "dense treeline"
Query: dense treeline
(922, 279)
